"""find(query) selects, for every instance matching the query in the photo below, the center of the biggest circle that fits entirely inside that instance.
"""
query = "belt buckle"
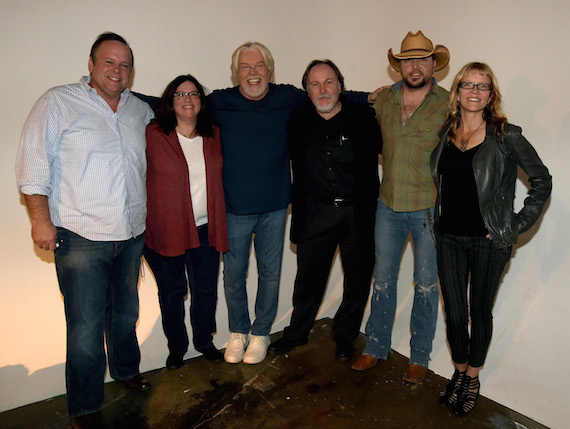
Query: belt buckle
(337, 202)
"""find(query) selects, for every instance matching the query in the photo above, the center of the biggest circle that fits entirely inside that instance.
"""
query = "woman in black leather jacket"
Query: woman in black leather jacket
(475, 169)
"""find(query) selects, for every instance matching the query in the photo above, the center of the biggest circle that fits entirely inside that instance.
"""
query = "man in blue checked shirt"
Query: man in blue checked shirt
(81, 167)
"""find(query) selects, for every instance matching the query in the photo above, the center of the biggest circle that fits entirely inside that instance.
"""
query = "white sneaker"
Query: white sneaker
(257, 349)
(235, 348)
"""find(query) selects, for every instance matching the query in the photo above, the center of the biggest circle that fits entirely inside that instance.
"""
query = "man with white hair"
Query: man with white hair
(253, 117)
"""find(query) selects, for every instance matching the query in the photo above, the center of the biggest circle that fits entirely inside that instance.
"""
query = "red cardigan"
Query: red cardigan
(170, 226)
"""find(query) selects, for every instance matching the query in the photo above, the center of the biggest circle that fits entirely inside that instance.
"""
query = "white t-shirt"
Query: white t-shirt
(194, 152)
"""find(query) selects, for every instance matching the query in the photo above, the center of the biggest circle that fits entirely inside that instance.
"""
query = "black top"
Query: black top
(460, 213)
(329, 158)
(495, 167)
(335, 158)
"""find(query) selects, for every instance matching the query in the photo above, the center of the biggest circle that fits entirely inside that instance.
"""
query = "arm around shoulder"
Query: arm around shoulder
(374, 94)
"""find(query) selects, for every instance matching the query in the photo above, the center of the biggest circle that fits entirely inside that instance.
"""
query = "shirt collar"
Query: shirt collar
(84, 82)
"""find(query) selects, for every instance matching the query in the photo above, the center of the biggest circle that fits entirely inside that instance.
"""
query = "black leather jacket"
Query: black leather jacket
(495, 169)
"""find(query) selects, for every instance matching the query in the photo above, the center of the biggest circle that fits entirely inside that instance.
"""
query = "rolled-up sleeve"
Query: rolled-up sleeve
(38, 149)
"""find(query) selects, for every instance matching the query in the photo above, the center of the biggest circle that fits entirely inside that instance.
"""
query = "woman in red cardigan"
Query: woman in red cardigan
(186, 220)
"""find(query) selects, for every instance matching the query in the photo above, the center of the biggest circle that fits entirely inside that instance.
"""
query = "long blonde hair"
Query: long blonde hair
(493, 112)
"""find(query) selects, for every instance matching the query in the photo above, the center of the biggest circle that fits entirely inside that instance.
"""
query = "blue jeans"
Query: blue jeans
(268, 232)
(197, 270)
(98, 280)
(391, 231)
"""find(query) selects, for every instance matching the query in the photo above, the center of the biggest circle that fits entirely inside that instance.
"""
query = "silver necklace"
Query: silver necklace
(464, 142)
(406, 115)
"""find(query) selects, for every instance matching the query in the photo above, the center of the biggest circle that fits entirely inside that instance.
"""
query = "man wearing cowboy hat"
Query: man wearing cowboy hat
(410, 114)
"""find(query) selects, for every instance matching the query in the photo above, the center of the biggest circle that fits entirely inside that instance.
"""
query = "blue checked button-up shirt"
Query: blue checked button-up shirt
(88, 160)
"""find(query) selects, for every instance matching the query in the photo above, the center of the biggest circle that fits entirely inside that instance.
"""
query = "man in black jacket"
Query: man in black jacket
(334, 146)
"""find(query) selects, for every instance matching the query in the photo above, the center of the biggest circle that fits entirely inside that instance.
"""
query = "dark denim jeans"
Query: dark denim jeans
(98, 280)
(197, 269)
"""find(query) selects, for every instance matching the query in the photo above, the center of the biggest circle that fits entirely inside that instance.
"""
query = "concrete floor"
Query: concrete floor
(308, 388)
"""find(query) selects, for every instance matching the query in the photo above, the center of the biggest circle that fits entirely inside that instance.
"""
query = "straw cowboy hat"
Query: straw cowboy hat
(419, 46)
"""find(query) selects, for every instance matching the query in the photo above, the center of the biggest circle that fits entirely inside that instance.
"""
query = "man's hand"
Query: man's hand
(44, 235)
(372, 96)
(44, 232)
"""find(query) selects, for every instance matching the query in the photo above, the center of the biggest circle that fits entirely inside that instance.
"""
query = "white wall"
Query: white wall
(44, 44)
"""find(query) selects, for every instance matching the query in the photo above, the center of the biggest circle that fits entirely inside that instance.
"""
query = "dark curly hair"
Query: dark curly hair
(165, 116)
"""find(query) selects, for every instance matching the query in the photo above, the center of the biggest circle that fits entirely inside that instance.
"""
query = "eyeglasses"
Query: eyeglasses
(480, 86)
(257, 68)
(181, 95)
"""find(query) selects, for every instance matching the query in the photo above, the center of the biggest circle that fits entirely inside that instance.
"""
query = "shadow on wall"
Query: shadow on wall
(154, 349)
(42, 384)
(516, 290)
(49, 382)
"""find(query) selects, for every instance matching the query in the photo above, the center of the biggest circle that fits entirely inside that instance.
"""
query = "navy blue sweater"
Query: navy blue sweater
(256, 173)
(254, 146)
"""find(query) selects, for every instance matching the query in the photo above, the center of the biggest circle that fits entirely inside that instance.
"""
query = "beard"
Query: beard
(416, 84)
(327, 108)
(255, 91)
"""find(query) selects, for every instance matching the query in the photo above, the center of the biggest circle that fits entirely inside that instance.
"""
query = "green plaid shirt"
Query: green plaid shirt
(407, 184)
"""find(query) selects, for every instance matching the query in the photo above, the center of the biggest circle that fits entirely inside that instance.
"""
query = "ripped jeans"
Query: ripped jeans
(390, 234)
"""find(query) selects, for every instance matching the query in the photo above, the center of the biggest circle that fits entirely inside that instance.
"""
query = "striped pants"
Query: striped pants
(470, 270)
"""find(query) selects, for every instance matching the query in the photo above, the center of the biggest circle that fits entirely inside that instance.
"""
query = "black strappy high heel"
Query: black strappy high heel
(448, 396)
(467, 396)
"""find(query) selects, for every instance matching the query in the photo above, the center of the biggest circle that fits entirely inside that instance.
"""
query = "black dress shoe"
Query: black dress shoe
(344, 351)
(285, 344)
(136, 384)
(212, 353)
(86, 421)
(175, 360)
